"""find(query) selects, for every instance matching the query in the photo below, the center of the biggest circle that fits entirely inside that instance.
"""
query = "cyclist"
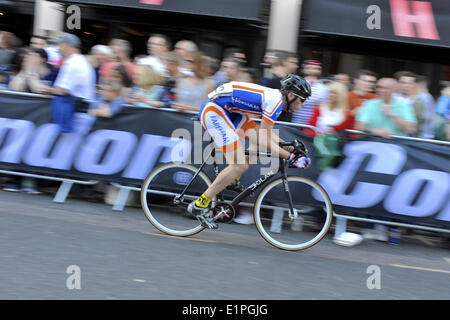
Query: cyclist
(225, 115)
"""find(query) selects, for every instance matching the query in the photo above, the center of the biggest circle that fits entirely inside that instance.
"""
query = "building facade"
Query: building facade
(385, 36)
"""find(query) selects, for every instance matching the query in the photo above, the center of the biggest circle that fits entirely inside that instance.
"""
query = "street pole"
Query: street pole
(48, 18)
(284, 23)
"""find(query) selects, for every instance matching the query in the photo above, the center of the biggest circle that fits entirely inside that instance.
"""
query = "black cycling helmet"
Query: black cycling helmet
(297, 85)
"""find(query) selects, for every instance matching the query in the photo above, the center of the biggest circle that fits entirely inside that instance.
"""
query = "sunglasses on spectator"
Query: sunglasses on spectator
(156, 43)
(170, 60)
(189, 60)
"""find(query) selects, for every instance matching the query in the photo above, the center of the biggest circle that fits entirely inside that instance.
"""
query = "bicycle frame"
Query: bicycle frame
(250, 189)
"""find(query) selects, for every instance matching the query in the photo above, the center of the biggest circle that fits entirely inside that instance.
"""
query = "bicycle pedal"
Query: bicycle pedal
(206, 223)
(236, 187)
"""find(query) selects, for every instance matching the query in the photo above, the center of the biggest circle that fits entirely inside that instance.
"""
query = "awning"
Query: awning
(417, 22)
(235, 9)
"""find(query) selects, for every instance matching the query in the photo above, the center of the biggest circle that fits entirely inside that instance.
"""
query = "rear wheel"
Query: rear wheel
(160, 198)
(310, 222)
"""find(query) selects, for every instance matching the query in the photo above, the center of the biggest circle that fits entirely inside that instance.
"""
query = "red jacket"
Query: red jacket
(346, 124)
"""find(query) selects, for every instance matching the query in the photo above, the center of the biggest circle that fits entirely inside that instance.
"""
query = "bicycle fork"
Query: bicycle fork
(292, 212)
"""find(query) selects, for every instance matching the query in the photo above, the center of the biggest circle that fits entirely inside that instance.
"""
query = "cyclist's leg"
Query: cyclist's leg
(223, 131)
(244, 128)
(248, 129)
(237, 166)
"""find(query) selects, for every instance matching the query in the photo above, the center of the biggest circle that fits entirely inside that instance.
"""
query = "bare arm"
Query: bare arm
(364, 126)
(269, 140)
(404, 125)
(155, 103)
(58, 91)
(35, 84)
(19, 82)
(103, 111)
(182, 106)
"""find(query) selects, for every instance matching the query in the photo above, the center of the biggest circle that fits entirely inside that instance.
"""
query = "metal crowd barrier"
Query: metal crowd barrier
(341, 219)
(64, 188)
(66, 183)
(124, 191)
(26, 94)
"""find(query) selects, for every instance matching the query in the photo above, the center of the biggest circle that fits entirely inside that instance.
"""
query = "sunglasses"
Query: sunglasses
(155, 43)
(300, 97)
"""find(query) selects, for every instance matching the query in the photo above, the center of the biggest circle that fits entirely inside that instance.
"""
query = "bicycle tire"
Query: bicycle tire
(154, 220)
(286, 246)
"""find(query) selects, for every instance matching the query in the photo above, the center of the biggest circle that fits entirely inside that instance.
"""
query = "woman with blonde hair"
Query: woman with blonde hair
(192, 91)
(147, 90)
(333, 115)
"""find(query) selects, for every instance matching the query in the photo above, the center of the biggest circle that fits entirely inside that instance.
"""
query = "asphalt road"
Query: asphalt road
(120, 255)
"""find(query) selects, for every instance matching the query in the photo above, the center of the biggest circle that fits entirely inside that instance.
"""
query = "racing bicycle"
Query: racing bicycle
(290, 212)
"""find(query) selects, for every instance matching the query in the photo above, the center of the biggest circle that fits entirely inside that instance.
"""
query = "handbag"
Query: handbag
(328, 149)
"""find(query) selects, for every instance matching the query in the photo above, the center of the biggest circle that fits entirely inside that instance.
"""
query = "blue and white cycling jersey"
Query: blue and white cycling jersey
(248, 98)
(227, 111)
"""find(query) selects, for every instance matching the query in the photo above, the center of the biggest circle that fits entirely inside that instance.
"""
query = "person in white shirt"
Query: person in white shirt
(429, 102)
(157, 47)
(76, 76)
(409, 92)
(185, 49)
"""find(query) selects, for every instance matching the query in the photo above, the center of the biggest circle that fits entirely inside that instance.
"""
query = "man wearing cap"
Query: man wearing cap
(76, 76)
(75, 82)
(311, 69)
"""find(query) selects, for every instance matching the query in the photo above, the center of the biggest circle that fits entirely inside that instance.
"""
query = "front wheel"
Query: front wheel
(310, 222)
(161, 201)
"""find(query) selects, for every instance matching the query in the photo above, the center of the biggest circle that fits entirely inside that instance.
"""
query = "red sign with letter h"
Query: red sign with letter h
(152, 2)
(406, 14)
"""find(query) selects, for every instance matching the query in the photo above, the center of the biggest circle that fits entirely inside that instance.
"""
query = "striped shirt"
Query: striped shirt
(319, 94)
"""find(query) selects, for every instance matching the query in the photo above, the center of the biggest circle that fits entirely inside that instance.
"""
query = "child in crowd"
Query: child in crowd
(147, 90)
(109, 102)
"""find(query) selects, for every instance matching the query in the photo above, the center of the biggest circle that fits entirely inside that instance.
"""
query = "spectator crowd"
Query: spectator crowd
(180, 76)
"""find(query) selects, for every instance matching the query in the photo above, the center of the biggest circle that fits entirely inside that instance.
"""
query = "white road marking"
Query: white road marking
(419, 268)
